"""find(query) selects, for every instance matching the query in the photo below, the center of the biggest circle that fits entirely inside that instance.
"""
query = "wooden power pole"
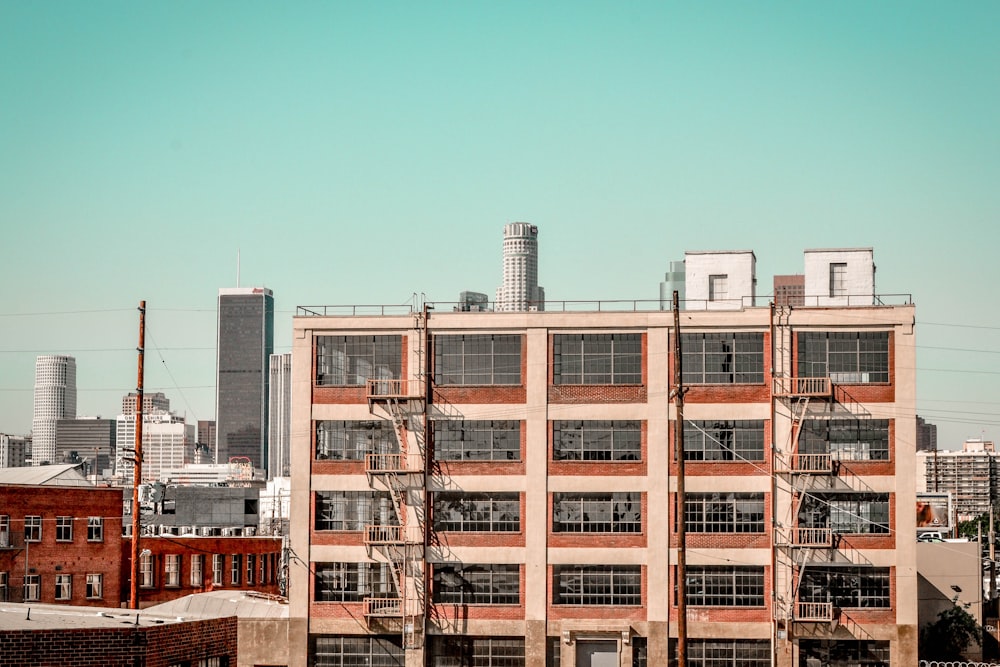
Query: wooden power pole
(133, 600)
(678, 394)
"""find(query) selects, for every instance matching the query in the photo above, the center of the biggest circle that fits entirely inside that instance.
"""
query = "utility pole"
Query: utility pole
(133, 600)
(678, 394)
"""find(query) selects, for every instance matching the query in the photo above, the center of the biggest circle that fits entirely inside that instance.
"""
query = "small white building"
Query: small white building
(720, 280)
(840, 277)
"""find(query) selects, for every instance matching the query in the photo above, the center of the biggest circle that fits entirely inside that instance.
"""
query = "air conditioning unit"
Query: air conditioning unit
(249, 531)
(227, 532)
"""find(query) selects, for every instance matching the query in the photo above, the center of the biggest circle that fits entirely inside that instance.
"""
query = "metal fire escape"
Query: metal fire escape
(798, 473)
(401, 475)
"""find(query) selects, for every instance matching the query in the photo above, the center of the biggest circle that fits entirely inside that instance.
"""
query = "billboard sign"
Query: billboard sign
(934, 512)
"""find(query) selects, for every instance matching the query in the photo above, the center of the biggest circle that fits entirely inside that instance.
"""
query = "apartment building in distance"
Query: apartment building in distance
(971, 475)
(501, 488)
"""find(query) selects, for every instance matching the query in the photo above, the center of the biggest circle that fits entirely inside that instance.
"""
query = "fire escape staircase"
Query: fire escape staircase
(402, 476)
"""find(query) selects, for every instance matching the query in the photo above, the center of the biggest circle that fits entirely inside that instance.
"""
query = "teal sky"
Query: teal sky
(362, 152)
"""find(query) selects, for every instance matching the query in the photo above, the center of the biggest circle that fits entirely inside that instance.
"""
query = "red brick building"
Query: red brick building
(171, 566)
(60, 538)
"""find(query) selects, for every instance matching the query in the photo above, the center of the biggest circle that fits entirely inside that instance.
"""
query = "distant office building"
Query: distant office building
(279, 414)
(839, 277)
(673, 281)
(790, 290)
(245, 344)
(971, 475)
(151, 402)
(55, 399)
(90, 440)
(472, 302)
(520, 290)
(167, 442)
(13, 451)
(926, 436)
(204, 446)
(720, 280)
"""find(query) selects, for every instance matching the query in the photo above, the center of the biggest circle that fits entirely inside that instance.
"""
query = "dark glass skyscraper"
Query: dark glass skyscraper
(245, 343)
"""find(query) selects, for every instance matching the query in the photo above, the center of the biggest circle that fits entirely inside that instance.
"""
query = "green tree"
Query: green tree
(945, 639)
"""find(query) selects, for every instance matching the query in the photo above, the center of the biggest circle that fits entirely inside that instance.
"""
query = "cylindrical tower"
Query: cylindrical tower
(55, 399)
(520, 290)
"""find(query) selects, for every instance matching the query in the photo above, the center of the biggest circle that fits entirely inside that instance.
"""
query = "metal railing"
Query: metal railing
(376, 534)
(815, 464)
(389, 463)
(817, 612)
(607, 305)
(803, 536)
(803, 387)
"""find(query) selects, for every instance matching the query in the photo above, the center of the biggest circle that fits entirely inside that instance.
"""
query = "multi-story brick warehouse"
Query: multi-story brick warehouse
(484, 488)
(60, 538)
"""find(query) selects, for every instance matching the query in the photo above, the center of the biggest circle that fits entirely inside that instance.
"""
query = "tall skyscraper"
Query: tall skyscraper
(520, 290)
(55, 399)
(279, 415)
(245, 343)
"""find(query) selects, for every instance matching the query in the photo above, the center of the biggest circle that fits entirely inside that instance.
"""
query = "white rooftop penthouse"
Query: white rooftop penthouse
(720, 280)
(840, 277)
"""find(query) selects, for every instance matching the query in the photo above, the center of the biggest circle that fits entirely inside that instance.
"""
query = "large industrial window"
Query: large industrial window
(596, 440)
(372, 651)
(848, 587)
(477, 440)
(723, 358)
(611, 585)
(846, 439)
(465, 651)
(724, 512)
(597, 359)
(739, 440)
(846, 513)
(477, 359)
(353, 360)
(64, 587)
(725, 586)
(32, 587)
(64, 529)
(725, 652)
(477, 512)
(597, 512)
(95, 586)
(843, 652)
(353, 582)
(850, 357)
(32, 529)
(95, 529)
(353, 510)
(352, 440)
(477, 584)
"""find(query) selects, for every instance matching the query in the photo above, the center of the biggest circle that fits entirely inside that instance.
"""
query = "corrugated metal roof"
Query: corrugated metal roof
(220, 604)
(58, 475)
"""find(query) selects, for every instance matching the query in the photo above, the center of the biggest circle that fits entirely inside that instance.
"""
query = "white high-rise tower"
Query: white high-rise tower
(55, 399)
(520, 290)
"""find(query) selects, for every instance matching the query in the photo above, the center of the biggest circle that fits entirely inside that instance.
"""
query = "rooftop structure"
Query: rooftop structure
(520, 290)
(55, 399)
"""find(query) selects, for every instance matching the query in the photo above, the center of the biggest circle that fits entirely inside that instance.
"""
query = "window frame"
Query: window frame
(172, 570)
(147, 574)
(452, 650)
(33, 528)
(64, 587)
(715, 282)
(235, 569)
(581, 440)
(846, 513)
(720, 441)
(384, 352)
(95, 586)
(465, 506)
(477, 360)
(477, 584)
(351, 440)
(848, 587)
(724, 586)
(726, 512)
(352, 511)
(218, 569)
(376, 581)
(838, 279)
(614, 359)
(457, 440)
(859, 357)
(64, 529)
(251, 567)
(196, 575)
(596, 512)
(723, 358)
(32, 587)
(847, 439)
(597, 585)
(349, 651)
(95, 529)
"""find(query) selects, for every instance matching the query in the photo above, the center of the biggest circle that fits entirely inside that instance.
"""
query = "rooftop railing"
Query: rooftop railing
(608, 305)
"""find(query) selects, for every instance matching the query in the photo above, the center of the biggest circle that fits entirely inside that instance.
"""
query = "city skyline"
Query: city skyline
(627, 135)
